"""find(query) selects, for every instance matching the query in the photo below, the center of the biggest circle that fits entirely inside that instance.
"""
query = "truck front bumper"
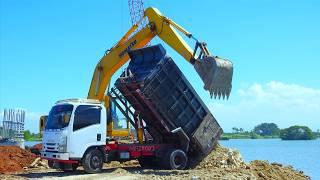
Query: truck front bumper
(53, 155)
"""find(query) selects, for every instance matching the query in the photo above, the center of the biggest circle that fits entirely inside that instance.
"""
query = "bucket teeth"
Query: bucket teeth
(216, 74)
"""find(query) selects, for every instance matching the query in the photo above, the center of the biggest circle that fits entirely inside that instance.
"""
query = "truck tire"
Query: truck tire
(92, 161)
(175, 159)
(50, 164)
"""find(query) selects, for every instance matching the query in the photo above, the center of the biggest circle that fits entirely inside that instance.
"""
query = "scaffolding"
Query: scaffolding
(13, 123)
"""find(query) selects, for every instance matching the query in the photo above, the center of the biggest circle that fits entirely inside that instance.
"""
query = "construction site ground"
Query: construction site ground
(222, 163)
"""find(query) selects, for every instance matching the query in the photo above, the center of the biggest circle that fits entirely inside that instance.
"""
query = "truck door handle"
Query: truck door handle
(98, 137)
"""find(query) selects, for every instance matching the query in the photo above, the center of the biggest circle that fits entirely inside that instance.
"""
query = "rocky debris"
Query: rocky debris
(36, 149)
(120, 171)
(230, 163)
(38, 162)
(14, 159)
(222, 158)
(116, 164)
(264, 170)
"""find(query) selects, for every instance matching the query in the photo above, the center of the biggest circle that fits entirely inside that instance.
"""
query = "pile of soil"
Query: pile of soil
(14, 159)
(222, 158)
(264, 170)
(229, 160)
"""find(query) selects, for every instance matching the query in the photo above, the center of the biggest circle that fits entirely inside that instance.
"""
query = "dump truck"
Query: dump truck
(166, 106)
(80, 131)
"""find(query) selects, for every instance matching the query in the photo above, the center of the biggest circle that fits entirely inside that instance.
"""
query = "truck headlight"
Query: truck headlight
(62, 145)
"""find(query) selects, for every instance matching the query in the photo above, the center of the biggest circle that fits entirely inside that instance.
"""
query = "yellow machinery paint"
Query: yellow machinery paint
(117, 56)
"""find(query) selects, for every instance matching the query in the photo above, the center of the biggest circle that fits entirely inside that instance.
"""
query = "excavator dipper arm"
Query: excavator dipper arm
(216, 78)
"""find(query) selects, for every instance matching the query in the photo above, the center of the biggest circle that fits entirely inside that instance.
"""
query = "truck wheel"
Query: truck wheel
(50, 164)
(175, 159)
(93, 161)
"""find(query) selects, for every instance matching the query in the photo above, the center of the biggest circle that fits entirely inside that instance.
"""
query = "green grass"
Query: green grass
(245, 135)
(33, 139)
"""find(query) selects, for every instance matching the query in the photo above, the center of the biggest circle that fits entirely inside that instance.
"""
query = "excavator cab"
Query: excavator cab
(42, 124)
(118, 125)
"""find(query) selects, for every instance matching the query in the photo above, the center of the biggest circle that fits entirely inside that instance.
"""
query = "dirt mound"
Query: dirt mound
(14, 159)
(264, 170)
(222, 158)
(229, 160)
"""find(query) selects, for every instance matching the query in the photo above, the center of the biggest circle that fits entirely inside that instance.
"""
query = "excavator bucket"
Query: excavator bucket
(216, 73)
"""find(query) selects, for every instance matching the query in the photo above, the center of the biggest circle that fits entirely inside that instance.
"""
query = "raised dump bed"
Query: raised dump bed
(166, 101)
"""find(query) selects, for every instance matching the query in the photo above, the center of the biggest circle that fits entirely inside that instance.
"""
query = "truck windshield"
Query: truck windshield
(59, 117)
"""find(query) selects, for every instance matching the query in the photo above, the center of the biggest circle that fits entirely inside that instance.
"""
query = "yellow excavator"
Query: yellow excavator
(42, 124)
(216, 73)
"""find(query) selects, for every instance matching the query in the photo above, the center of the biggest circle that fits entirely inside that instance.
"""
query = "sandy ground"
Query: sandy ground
(127, 173)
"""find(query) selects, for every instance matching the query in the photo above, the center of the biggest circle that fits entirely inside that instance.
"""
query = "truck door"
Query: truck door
(88, 130)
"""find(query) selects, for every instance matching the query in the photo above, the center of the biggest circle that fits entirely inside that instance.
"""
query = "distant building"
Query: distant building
(13, 123)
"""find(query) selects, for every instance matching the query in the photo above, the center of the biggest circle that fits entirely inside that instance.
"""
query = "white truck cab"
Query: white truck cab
(73, 126)
(75, 135)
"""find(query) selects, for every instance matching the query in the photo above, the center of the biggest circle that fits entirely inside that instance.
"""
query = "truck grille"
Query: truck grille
(51, 147)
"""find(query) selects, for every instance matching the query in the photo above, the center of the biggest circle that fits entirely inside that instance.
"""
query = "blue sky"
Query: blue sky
(48, 51)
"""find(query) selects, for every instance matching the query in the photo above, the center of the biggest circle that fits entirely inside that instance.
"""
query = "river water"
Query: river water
(302, 155)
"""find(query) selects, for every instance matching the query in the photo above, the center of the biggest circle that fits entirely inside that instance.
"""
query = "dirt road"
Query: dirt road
(127, 173)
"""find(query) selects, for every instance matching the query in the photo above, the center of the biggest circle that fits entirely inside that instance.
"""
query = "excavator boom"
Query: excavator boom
(216, 73)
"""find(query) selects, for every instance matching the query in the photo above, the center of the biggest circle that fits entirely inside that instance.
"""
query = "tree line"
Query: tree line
(271, 130)
(28, 136)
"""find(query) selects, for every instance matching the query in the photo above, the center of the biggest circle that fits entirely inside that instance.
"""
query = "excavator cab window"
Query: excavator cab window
(119, 121)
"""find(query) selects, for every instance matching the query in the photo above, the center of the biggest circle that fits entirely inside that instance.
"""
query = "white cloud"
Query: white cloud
(32, 121)
(283, 104)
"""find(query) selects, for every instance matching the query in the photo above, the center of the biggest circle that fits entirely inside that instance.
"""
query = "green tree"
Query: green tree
(254, 135)
(297, 133)
(267, 129)
(317, 134)
(235, 130)
(27, 135)
(241, 130)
